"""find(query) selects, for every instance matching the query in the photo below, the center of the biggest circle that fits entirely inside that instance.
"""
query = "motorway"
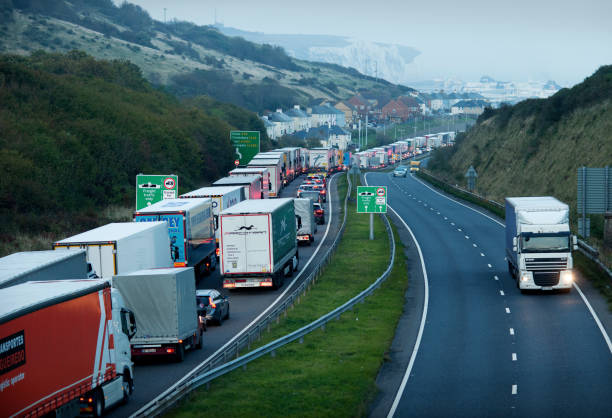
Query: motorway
(485, 349)
(156, 375)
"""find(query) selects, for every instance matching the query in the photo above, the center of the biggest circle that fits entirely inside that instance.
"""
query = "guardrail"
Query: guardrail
(583, 247)
(222, 362)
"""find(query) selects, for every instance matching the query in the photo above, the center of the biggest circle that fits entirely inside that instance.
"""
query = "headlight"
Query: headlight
(524, 278)
(567, 277)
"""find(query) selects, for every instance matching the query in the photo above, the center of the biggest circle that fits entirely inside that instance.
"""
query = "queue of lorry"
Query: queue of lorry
(76, 317)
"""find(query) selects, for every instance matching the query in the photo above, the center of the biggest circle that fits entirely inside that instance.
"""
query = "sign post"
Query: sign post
(245, 144)
(371, 199)
(154, 188)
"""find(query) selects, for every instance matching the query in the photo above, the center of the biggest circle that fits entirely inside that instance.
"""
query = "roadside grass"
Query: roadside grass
(589, 269)
(332, 373)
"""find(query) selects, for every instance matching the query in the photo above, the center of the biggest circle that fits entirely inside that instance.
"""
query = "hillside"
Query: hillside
(536, 146)
(76, 131)
(188, 59)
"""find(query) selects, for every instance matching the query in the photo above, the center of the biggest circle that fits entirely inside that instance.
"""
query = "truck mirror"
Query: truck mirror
(575, 241)
(216, 222)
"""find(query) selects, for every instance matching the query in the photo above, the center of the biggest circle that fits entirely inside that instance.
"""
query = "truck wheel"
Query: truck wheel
(180, 353)
(128, 387)
(98, 406)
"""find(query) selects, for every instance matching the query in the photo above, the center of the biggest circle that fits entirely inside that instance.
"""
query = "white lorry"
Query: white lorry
(305, 220)
(276, 175)
(258, 243)
(538, 243)
(164, 302)
(321, 159)
(43, 265)
(123, 247)
(257, 171)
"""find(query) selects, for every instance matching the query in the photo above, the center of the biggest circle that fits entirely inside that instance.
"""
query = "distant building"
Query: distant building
(395, 111)
(469, 107)
(347, 109)
(323, 115)
(284, 122)
(301, 120)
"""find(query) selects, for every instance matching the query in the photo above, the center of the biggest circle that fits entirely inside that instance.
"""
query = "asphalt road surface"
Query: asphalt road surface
(486, 349)
(156, 375)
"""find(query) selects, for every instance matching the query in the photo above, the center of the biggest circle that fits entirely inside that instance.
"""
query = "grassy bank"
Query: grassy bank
(333, 372)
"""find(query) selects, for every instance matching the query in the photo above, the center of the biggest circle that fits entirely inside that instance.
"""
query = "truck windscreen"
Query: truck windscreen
(542, 243)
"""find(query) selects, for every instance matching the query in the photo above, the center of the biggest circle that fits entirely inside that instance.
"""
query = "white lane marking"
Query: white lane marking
(254, 321)
(482, 254)
(438, 213)
(459, 229)
(445, 218)
(507, 310)
(501, 292)
(511, 331)
(452, 223)
(467, 237)
(513, 356)
(596, 318)
(490, 266)
(459, 203)
(475, 245)
(496, 278)
(514, 389)
(417, 344)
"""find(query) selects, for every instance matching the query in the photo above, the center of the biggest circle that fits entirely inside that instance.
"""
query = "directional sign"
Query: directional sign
(372, 199)
(245, 144)
(154, 188)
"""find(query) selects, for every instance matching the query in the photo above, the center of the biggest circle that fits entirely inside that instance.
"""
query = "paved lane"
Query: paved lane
(487, 350)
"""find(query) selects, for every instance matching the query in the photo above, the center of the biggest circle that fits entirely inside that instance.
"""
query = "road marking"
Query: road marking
(467, 237)
(481, 254)
(596, 318)
(513, 356)
(445, 218)
(400, 391)
(501, 292)
(459, 229)
(511, 331)
(475, 245)
(452, 223)
(514, 389)
(496, 278)
(490, 266)
(507, 310)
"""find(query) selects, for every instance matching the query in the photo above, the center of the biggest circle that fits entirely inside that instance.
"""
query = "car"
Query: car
(304, 188)
(212, 305)
(322, 191)
(319, 213)
(400, 172)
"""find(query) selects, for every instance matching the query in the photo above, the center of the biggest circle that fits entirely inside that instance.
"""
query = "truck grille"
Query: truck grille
(546, 278)
(545, 264)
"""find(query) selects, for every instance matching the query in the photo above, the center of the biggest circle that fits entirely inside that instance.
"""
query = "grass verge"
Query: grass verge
(333, 372)
(589, 269)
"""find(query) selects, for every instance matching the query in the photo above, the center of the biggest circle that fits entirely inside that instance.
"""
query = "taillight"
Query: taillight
(169, 350)
(218, 251)
(319, 212)
(323, 192)
(210, 300)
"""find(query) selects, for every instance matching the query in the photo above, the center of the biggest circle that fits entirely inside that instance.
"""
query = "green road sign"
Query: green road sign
(245, 144)
(155, 188)
(371, 199)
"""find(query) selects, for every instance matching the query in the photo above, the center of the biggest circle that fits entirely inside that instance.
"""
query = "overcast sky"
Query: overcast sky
(514, 40)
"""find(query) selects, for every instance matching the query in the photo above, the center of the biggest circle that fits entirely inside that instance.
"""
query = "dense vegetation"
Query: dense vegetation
(536, 146)
(76, 131)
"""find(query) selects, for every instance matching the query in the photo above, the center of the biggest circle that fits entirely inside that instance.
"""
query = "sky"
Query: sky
(511, 40)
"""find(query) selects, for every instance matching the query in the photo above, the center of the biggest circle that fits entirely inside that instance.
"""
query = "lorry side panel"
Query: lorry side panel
(283, 231)
(148, 249)
(71, 268)
(511, 228)
(55, 354)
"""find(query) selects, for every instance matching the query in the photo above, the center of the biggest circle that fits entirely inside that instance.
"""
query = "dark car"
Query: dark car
(212, 305)
(322, 191)
(319, 213)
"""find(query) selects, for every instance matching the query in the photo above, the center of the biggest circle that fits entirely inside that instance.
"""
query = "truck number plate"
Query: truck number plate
(547, 288)
(243, 284)
(149, 350)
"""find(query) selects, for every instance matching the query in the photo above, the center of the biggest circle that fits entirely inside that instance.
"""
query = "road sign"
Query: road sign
(245, 144)
(155, 188)
(372, 199)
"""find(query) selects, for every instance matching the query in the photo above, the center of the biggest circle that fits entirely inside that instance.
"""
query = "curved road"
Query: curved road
(155, 376)
(486, 349)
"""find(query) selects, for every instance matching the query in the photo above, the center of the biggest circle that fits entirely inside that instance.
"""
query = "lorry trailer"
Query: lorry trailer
(64, 348)
(538, 243)
(261, 171)
(276, 175)
(252, 185)
(43, 265)
(258, 243)
(122, 247)
(164, 301)
(190, 228)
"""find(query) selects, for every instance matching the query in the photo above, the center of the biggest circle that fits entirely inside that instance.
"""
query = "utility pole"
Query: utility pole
(164, 15)
(366, 128)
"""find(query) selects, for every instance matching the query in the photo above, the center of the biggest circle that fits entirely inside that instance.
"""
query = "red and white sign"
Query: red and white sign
(169, 183)
(380, 191)
(236, 163)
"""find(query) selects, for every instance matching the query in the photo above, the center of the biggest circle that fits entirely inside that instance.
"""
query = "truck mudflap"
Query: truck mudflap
(248, 282)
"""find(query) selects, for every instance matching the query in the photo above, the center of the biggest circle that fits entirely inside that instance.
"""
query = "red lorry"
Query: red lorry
(64, 348)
